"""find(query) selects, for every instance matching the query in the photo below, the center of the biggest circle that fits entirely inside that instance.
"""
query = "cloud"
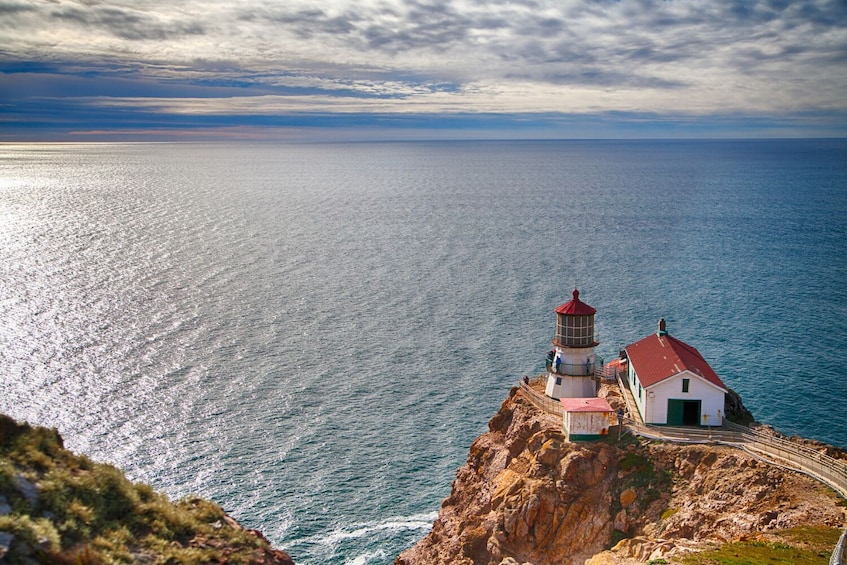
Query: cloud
(305, 22)
(12, 8)
(124, 23)
(428, 56)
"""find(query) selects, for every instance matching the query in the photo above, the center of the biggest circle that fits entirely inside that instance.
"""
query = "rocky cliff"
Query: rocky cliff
(60, 508)
(528, 496)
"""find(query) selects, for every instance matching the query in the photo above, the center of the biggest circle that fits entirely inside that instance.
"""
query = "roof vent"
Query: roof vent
(663, 328)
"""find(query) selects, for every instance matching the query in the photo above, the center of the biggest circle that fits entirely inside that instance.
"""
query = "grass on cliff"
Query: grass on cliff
(796, 546)
(63, 508)
(640, 474)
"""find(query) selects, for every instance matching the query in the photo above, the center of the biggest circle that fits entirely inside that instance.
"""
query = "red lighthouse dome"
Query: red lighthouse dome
(575, 324)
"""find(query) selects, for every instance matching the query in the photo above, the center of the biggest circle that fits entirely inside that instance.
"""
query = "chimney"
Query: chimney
(663, 328)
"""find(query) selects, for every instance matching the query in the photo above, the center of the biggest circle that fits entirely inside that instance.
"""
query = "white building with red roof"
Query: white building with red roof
(672, 384)
(587, 418)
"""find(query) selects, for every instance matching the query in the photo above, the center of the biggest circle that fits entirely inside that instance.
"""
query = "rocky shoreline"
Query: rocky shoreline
(528, 496)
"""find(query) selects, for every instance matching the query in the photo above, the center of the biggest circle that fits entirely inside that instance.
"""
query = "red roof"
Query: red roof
(575, 307)
(656, 358)
(586, 405)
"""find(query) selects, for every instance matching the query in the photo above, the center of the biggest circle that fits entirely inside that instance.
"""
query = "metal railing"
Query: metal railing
(766, 447)
(541, 401)
(572, 369)
(819, 465)
(838, 555)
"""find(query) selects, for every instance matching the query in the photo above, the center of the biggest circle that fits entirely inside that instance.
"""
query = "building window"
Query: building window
(685, 384)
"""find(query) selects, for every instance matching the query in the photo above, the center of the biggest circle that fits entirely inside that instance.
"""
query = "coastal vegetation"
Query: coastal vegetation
(59, 507)
(795, 546)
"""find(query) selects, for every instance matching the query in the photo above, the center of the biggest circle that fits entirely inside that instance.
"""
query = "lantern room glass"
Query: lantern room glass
(575, 331)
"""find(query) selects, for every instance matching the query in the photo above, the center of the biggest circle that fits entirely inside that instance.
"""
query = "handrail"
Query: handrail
(542, 402)
(771, 449)
(573, 369)
(825, 468)
(626, 397)
(838, 555)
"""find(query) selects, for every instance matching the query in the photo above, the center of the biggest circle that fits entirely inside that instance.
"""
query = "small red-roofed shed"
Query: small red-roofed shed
(586, 418)
(672, 383)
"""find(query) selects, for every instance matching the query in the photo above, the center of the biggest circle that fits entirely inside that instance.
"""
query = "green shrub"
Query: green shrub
(145, 492)
(815, 536)
(168, 521)
(115, 544)
(639, 470)
(202, 509)
(91, 514)
(617, 536)
(634, 461)
(6, 474)
(76, 524)
(799, 546)
(37, 535)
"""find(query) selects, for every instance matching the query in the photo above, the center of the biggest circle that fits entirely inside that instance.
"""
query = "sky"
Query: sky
(299, 70)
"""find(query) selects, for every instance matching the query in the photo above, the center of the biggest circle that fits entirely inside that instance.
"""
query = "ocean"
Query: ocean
(313, 335)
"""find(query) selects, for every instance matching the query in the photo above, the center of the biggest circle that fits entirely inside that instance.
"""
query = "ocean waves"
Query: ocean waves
(343, 541)
(312, 336)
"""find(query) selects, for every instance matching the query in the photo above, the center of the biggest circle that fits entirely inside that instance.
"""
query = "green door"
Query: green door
(675, 412)
(683, 412)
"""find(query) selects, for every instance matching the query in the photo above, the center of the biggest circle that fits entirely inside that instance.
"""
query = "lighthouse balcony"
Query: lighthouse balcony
(575, 343)
(573, 370)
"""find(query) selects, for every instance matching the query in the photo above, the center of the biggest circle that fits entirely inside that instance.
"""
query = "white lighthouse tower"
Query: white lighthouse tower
(571, 363)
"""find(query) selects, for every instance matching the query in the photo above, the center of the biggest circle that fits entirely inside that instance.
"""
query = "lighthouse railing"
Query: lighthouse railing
(573, 369)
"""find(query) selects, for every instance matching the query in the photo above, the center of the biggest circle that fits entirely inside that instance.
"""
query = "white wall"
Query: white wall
(711, 397)
(575, 356)
(571, 387)
(633, 386)
(655, 410)
(576, 361)
(587, 423)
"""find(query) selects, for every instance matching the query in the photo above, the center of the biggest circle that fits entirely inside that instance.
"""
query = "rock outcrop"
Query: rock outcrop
(526, 495)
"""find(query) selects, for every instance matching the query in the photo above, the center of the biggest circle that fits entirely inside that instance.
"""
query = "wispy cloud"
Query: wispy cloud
(258, 58)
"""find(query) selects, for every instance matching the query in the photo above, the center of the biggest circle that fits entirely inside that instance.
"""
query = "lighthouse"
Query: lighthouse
(571, 362)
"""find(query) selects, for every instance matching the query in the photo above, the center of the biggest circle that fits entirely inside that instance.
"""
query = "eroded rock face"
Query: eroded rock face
(528, 496)
(718, 494)
(722, 493)
(525, 494)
